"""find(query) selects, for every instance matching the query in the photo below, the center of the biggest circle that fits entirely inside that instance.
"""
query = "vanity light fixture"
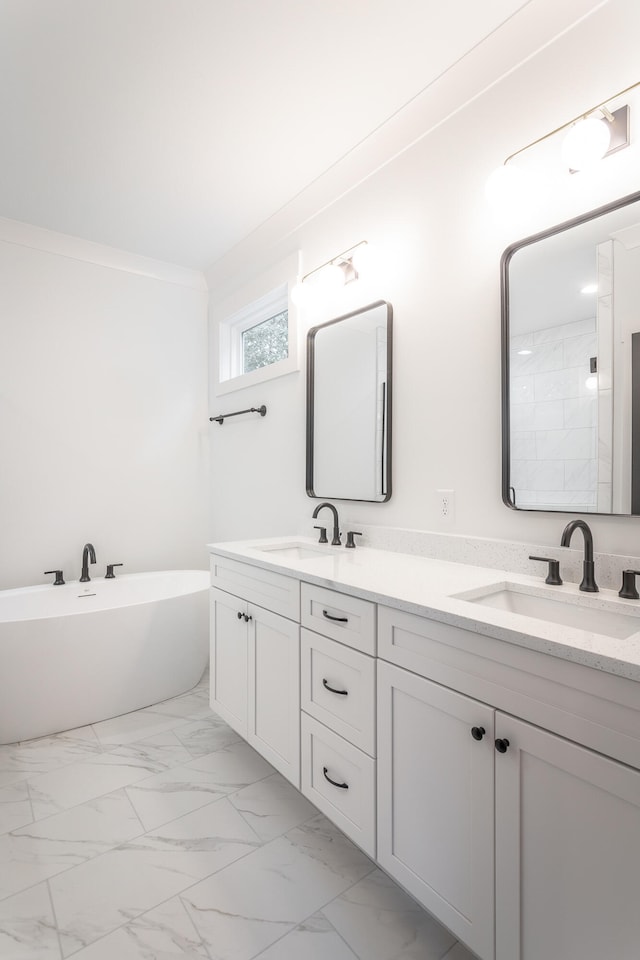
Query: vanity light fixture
(594, 134)
(590, 288)
(335, 273)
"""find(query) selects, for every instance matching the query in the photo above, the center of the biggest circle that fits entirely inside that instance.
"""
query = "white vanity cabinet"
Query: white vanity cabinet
(255, 660)
(550, 825)
(338, 704)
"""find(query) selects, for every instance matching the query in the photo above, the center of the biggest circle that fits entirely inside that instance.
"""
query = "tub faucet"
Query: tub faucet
(88, 555)
(588, 584)
(336, 525)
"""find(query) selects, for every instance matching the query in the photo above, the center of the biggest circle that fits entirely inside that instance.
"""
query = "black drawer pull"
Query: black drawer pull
(337, 619)
(478, 732)
(341, 693)
(502, 745)
(343, 786)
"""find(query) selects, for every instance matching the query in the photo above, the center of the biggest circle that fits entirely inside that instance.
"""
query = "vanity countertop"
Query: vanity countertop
(431, 588)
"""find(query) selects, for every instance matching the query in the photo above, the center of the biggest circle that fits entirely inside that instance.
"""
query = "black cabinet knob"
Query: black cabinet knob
(240, 616)
(247, 617)
(478, 732)
(502, 745)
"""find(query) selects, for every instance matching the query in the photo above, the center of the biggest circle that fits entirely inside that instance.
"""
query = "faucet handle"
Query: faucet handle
(350, 535)
(553, 576)
(110, 575)
(58, 582)
(628, 590)
(323, 534)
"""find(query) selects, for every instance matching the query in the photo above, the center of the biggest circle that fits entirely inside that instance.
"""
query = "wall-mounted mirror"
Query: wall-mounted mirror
(571, 365)
(349, 406)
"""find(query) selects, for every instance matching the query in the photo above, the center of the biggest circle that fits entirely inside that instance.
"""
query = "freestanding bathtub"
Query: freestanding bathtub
(83, 652)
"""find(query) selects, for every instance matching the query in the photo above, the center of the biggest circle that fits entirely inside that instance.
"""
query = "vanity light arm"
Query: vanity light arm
(223, 416)
(563, 126)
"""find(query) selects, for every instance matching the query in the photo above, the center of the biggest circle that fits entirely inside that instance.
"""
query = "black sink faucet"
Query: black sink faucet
(588, 584)
(88, 555)
(336, 525)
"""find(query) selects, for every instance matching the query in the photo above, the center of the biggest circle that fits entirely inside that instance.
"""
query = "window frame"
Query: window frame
(228, 368)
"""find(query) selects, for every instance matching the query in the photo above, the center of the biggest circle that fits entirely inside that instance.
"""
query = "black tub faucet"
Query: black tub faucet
(336, 525)
(88, 555)
(588, 584)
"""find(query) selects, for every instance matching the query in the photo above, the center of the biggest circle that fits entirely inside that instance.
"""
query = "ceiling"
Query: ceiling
(174, 128)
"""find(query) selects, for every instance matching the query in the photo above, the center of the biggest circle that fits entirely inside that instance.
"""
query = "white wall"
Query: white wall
(440, 245)
(103, 433)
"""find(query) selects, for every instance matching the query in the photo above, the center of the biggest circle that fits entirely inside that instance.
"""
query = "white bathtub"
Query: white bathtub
(82, 652)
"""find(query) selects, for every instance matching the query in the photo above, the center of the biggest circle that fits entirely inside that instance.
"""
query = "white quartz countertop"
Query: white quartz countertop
(430, 587)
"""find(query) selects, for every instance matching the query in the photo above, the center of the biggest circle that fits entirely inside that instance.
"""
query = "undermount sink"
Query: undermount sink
(293, 550)
(584, 613)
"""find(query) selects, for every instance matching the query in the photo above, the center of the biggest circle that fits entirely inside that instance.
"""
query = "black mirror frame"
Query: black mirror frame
(387, 460)
(507, 489)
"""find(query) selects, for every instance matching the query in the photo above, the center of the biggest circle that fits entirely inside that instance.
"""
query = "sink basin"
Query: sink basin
(596, 616)
(293, 551)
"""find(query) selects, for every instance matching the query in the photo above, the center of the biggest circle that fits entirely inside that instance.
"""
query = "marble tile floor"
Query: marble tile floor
(161, 834)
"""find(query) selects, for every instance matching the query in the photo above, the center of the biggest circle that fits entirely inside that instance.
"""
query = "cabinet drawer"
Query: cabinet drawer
(338, 688)
(273, 591)
(326, 757)
(348, 619)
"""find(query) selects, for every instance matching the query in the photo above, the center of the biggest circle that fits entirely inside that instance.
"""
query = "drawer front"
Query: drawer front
(272, 591)
(338, 688)
(350, 620)
(350, 800)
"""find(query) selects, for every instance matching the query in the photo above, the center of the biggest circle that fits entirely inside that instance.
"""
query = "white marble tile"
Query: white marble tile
(159, 752)
(379, 921)
(164, 933)
(99, 896)
(580, 412)
(544, 475)
(272, 806)
(580, 475)
(233, 767)
(315, 939)
(61, 789)
(563, 331)
(27, 926)
(543, 357)
(251, 904)
(521, 416)
(548, 415)
(206, 735)
(557, 385)
(172, 794)
(15, 807)
(42, 850)
(191, 706)
(131, 727)
(522, 389)
(523, 445)
(566, 444)
(578, 350)
(32, 757)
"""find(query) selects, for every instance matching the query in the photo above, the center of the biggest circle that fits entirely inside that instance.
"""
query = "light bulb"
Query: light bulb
(586, 142)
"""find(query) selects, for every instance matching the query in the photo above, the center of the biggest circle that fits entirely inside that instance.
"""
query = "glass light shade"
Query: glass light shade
(586, 143)
(361, 258)
(331, 278)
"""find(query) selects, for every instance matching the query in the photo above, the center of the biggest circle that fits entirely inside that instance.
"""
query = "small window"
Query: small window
(257, 342)
(266, 342)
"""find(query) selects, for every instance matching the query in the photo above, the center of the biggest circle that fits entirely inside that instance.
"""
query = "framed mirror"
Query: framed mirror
(349, 406)
(571, 365)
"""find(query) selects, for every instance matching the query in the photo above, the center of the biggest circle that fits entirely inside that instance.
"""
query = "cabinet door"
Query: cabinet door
(567, 850)
(228, 660)
(274, 690)
(435, 801)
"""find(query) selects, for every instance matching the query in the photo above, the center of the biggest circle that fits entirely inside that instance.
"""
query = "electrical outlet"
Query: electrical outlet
(446, 505)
